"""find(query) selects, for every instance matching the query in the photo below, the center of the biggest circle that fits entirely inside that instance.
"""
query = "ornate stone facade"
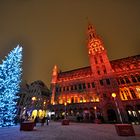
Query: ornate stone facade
(87, 92)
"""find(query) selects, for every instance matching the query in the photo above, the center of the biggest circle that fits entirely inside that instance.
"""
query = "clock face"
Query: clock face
(95, 46)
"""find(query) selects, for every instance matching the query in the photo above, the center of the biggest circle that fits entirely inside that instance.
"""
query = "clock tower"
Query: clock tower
(99, 61)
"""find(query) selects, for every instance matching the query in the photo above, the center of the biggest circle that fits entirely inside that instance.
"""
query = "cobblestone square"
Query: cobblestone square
(74, 131)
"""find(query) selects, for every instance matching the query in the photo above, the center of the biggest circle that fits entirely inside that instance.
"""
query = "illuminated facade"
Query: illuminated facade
(34, 100)
(87, 91)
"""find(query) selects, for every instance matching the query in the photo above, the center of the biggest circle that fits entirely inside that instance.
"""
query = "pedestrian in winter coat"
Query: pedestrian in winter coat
(35, 121)
(43, 121)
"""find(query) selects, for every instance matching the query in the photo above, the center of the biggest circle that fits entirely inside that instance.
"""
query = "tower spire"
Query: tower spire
(97, 53)
(91, 31)
(95, 44)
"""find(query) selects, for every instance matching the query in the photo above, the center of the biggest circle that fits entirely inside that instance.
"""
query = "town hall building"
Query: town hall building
(106, 90)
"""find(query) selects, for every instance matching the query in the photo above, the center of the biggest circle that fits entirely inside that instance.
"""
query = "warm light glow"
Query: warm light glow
(97, 100)
(40, 113)
(113, 95)
(95, 107)
(68, 101)
(33, 98)
(84, 100)
(138, 89)
(34, 113)
(91, 100)
(65, 103)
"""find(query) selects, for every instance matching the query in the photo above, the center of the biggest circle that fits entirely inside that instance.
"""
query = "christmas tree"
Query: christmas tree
(10, 78)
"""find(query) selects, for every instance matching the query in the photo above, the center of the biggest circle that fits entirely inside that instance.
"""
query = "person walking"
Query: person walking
(47, 119)
(35, 121)
(43, 121)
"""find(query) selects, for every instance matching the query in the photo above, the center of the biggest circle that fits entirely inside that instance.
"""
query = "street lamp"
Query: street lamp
(95, 112)
(65, 104)
(118, 110)
(33, 98)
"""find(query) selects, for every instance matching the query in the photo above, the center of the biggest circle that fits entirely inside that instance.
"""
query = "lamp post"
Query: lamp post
(95, 112)
(65, 104)
(33, 101)
(65, 121)
(118, 110)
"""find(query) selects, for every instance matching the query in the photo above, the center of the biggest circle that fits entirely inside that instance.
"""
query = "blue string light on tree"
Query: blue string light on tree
(10, 78)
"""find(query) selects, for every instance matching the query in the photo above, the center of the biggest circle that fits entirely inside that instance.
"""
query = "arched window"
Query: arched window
(88, 85)
(126, 79)
(133, 93)
(93, 85)
(138, 77)
(96, 62)
(101, 59)
(63, 88)
(75, 87)
(122, 80)
(91, 99)
(127, 94)
(72, 100)
(104, 69)
(71, 87)
(76, 100)
(67, 88)
(133, 79)
(81, 99)
(98, 71)
(122, 95)
(80, 86)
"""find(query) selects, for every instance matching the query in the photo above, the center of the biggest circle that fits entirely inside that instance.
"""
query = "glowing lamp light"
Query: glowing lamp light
(113, 95)
(95, 107)
(65, 103)
(84, 101)
(33, 98)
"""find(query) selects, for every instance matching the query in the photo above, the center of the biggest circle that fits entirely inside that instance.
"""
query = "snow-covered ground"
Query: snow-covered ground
(74, 131)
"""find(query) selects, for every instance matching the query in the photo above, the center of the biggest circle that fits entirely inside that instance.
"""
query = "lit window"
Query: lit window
(81, 99)
(133, 93)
